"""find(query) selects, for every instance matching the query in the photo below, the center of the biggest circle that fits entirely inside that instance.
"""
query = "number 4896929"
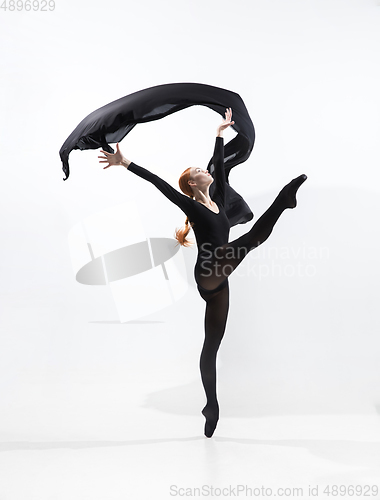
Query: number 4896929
(42, 5)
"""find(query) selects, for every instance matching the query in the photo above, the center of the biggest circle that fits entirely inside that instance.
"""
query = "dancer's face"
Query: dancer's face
(200, 177)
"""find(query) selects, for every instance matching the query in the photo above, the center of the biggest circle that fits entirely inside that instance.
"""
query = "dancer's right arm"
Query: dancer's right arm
(182, 201)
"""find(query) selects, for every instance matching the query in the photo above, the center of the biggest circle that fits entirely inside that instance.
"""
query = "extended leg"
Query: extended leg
(229, 256)
(215, 324)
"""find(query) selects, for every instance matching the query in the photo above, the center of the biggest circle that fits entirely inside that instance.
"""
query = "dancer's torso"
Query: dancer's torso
(211, 229)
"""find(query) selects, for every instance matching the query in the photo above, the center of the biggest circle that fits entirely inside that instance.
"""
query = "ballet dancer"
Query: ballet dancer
(217, 258)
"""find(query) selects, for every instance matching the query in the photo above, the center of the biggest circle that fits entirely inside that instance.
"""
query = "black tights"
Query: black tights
(214, 289)
(217, 305)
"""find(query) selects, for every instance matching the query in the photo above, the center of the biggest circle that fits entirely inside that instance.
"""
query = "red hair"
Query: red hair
(181, 234)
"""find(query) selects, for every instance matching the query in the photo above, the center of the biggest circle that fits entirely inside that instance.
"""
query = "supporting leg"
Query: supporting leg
(217, 305)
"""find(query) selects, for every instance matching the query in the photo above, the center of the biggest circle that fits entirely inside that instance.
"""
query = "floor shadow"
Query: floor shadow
(79, 445)
(355, 453)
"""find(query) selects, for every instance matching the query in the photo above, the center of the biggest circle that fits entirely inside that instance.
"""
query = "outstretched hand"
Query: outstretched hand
(227, 121)
(112, 159)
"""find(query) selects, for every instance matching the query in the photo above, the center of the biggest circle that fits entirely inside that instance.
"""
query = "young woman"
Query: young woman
(217, 258)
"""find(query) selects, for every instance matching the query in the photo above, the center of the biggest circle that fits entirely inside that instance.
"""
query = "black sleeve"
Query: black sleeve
(183, 201)
(219, 173)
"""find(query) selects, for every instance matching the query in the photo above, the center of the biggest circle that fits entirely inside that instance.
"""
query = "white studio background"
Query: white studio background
(94, 408)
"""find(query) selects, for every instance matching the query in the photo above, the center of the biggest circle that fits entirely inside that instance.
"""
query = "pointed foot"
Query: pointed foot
(212, 417)
(290, 190)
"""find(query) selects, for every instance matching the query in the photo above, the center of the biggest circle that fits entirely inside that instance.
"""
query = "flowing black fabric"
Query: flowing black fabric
(112, 122)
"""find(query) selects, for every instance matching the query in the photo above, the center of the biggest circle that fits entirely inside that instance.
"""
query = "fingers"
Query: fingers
(228, 117)
(228, 114)
(104, 159)
(107, 153)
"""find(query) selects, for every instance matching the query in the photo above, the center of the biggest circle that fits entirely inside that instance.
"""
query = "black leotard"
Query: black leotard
(211, 229)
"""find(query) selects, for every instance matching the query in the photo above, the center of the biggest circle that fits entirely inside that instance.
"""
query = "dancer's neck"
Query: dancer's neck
(203, 197)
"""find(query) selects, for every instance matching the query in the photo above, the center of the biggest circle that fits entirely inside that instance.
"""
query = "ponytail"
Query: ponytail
(181, 234)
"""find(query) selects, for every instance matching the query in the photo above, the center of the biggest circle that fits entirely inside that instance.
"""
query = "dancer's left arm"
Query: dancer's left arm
(218, 158)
